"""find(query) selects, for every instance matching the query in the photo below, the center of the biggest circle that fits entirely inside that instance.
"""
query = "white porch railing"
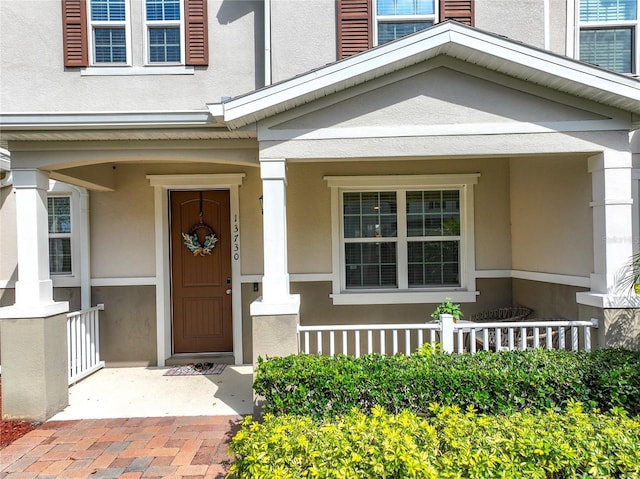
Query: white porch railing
(83, 337)
(454, 337)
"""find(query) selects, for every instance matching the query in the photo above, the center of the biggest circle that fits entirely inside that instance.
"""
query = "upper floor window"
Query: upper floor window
(60, 253)
(609, 34)
(110, 32)
(165, 29)
(397, 18)
(113, 33)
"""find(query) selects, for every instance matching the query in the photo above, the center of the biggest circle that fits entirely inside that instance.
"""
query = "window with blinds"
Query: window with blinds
(60, 254)
(609, 34)
(109, 31)
(397, 18)
(164, 31)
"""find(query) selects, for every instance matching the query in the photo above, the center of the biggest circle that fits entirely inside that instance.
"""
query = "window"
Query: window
(412, 240)
(359, 21)
(171, 32)
(164, 31)
(609, 34)
(60, 253)
(397, 18)
(109, 32)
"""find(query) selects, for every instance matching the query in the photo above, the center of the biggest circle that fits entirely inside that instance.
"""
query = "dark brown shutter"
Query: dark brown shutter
(197, 37)
(354, 27)
(74, 33)
(459, 10)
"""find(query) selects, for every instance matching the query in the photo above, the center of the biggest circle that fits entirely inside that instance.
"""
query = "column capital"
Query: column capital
(30, 178)
(273, 169)
(609, 159)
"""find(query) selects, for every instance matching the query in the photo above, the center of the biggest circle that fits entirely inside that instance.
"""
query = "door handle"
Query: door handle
(228, 291)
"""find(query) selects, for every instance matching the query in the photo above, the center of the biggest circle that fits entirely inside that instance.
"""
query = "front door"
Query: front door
(201, 272)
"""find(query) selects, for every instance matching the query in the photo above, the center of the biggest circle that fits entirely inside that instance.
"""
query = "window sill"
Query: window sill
(133, 71)
(403, 297)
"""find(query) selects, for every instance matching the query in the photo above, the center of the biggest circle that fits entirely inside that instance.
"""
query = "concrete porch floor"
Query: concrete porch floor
(146, 392)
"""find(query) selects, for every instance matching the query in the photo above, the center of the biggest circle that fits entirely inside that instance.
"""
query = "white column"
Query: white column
(276, 298)
(34, 289)
(612, 218)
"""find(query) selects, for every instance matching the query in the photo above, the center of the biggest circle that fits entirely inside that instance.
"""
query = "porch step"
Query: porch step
(181, 360)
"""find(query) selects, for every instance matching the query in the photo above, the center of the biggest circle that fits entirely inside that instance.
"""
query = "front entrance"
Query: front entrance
(201, 310)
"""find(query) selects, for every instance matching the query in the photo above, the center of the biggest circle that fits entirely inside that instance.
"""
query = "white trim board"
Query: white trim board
(567, 280)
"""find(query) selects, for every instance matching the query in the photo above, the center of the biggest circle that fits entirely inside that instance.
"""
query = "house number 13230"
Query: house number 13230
(236, 239)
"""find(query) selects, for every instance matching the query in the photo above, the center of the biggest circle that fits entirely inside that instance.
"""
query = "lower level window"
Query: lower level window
(401, 239)
(59, 234)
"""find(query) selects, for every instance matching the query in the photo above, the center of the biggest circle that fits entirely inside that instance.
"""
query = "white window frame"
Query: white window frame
(402, 18)
(633, 24)
(59, 189)
(466, 292)
(148, 24)
(126, 23)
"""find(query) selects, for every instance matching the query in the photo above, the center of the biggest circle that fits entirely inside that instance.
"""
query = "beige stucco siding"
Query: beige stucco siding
(233, 60)
(123, 221)
(551, 220)
(304, 31)
(309, 207)
(525, 19)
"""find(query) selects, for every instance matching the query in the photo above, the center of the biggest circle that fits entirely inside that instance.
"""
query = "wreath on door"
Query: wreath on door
(192, 241)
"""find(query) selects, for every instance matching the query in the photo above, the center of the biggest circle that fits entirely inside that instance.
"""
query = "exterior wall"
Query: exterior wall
(235, 54)
(525, 19)
(551, 220)
(618, 327)
(309, 207)
(548, 300)
(127, 325)
(304, 31)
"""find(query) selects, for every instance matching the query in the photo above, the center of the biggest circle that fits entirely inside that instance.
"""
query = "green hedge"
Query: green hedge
(493, 383)
(449, 444)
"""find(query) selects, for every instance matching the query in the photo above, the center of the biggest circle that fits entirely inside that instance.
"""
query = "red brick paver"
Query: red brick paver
(176, 447)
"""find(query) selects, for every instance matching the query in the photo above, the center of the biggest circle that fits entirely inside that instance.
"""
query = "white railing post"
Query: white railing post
(446, 332)
(83, 336)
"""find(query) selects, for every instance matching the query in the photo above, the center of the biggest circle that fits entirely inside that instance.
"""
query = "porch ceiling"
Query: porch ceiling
(452, 39)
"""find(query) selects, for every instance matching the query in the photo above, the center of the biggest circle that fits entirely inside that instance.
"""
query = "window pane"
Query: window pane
(108, 10)
(370, 215)
(163, 9)
(371, 265)
(434, 263)
(60, 255)
(608, 10)
(406, 7)
(433, 213)
(607, 48)
(392, 31)
(164, 45)
(110, 45)
(59, 210)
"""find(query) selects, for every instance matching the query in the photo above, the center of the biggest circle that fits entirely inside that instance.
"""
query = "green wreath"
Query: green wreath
(192, 241)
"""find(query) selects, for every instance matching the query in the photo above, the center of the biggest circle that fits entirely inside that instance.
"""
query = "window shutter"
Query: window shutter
(354, 27)
(459, 10)
(74, 33)
(197, 38)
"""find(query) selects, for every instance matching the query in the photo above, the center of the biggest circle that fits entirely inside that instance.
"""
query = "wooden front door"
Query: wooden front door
(201, 279)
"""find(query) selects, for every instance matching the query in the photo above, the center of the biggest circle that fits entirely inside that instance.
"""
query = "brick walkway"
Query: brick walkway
(167, 447)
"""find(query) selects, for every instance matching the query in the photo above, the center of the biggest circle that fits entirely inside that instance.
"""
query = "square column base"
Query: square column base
(35, 371)
(273, 335)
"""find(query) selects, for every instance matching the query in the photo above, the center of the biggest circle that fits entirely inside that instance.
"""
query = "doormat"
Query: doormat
(197, 369)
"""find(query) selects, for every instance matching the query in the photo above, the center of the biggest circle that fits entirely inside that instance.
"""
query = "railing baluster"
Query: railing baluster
(407, 342)
(498, 339)
(549, 338)
(420, 338)
(587, 339)
(383, 341)
(357, 345)
(485, 339)
(574, 339)
(523, 339)
(395, 341)
(511, 340)
(369, 341)
(332, 343)
(536, 338)
(472, 340)
(345, 349)
(460, 338)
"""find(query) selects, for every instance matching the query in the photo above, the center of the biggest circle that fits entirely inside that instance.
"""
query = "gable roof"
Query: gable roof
(449, 38)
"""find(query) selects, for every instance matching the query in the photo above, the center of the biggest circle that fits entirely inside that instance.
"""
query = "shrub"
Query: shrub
(494, 383)
(449, 444)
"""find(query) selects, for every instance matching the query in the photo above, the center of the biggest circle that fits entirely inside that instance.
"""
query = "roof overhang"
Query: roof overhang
(449, 38)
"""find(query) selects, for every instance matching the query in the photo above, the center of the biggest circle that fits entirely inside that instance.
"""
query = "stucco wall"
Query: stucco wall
(235, 38)
(309, 207)
(303, 36)
(521, 20)
(551, 220)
